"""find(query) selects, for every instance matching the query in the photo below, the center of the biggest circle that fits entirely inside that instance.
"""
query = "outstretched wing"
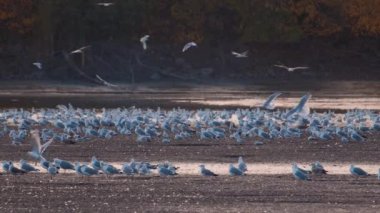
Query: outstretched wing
(300, 68)
(45, 146)
(268, 104)
(235, 53)
(188, 45)
(281, 66)
(36, 140)
(301, 106)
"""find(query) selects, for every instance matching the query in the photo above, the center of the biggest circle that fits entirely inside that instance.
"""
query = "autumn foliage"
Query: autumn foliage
(68, 22)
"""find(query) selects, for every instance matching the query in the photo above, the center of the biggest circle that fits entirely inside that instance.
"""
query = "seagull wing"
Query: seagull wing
(36, 141)
(188, 45)
(268, 104)
(281, 66)
(76, 51)
(300, 68)
(244, 54)
(45, 146)
(300, 106)
(235, 53)
(209, 172)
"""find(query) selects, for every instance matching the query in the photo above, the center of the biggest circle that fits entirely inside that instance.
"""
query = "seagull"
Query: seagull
(80, 50)
(143, 41)
(14, 170)
(317, 168)
(37, 148)
(235, 171)
(5, 166)
(206, 172)
(25, 166)
(241, 164)
(105, 4)
(298, 173)
(291, 69)
(53, 170)
(63, 164)
(240, 55)
(166, 171)
(108, 169)
(88, 171)
(301, 107)
(127, 169)
(38, 65)
(105, 82)
(188, 45)
(268, 104)
(357, 171)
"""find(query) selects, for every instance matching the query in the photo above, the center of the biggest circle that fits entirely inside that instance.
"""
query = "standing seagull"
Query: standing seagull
(240, 55)
(291, 69)
(206, 172)
(38, 65)
(241, 164)
(143, 41)
(25, 166)
(235, 171)
(37, 148)
(357, 171)
(105, 4)
(268, 104)
(188, 45)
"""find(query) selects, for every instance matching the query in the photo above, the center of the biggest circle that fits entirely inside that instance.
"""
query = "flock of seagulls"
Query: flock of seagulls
(66, 124)
(132, 168)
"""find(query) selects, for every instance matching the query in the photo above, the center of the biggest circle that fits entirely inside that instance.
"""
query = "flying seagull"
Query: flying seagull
(188, 45)
(37, 148)
(105, 4)
(291, 69)
(38, 65)
(105, 82)
(240, 55)
(80, 50)
(143, 40)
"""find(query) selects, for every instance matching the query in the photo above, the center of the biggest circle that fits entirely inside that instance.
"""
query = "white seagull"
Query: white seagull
(105, 4)
(80, 50)
(143, 40)
(290, 69)
(188, 45)
(240, 55)
(37, 148)
(105, 82)
(38, 65)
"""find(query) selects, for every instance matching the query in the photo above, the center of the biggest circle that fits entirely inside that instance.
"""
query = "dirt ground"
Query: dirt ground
(191, 193)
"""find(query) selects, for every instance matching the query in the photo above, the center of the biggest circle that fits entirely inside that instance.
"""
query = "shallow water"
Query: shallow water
(340, 95)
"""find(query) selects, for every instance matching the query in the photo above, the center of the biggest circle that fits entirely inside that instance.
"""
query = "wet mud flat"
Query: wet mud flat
(193, 193)
(253, 193)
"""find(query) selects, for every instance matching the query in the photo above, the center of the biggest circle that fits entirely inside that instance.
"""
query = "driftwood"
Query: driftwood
(71, 63)
(157, 69)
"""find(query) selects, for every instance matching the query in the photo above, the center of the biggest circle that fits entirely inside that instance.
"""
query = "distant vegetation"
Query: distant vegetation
(48, 26)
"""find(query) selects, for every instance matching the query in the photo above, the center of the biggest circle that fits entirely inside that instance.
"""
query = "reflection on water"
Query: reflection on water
(319, 103)
(325, 95)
